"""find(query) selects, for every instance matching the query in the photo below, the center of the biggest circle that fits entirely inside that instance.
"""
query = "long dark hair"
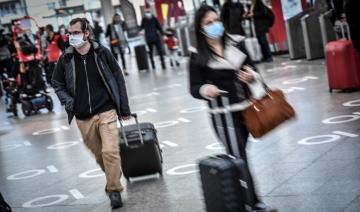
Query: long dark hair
(203, 48)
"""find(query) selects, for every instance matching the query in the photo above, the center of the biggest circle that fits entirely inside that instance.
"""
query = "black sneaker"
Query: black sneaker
(115, 199)
(262, 207)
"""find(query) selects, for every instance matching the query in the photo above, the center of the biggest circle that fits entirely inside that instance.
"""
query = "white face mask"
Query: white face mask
(77, 41)
(148, 14)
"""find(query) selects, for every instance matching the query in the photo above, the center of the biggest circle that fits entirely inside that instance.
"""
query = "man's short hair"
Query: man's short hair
(85, 24)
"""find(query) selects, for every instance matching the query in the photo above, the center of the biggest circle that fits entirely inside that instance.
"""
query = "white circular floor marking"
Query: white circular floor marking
(26, 174)
(63, 145)
(55, 199)
(92, 173)
(188, 169)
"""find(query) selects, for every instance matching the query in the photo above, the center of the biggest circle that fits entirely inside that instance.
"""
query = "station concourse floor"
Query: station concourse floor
(311, 164)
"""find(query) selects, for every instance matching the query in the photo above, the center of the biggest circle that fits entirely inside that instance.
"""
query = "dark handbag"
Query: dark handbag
(267, 113)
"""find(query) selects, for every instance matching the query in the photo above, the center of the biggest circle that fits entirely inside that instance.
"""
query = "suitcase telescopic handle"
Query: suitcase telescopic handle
(231, 144)
(134, 115)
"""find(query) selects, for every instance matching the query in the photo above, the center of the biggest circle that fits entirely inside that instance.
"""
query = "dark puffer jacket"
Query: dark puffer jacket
(64, 79)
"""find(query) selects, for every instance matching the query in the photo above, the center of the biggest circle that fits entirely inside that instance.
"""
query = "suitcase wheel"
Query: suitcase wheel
(330, 90)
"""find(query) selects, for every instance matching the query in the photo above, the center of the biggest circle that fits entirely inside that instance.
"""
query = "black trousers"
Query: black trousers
(264, 45)
(242, 135)
(122, 56)
(157, 44)
(49, 70)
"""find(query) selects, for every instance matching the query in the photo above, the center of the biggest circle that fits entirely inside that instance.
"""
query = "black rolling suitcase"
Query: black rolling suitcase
(140, 150)
(224, 177)
(141, 57)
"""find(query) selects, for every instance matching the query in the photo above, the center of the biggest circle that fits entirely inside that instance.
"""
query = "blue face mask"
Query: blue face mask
(214, 30)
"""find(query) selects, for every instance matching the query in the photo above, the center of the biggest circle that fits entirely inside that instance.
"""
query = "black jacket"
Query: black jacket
(353, 17)
(263, 18)
(64, 79)
(225, 78)
(232, 16)
(152, 29)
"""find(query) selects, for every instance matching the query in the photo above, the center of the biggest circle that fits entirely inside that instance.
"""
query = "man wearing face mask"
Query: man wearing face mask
(152, 29)
(89, 82)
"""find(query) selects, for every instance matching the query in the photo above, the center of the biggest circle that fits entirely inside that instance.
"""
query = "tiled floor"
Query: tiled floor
(308, 165)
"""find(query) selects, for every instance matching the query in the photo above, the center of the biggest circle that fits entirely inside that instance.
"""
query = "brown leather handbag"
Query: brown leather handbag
(265, 114)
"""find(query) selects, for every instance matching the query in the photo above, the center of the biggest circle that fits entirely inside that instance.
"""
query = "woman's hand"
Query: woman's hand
(212, 91)
(246, 74)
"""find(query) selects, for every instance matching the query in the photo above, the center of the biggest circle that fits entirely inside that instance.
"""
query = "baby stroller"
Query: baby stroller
(28, 88)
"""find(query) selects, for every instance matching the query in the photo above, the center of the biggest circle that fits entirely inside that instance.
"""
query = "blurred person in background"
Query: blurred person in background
(263, 19)
(232, 16)
(64, 37)
(6, 61)
(353, 16)
(116, 32)
(54, 46)
(172, 44)
(153, 30)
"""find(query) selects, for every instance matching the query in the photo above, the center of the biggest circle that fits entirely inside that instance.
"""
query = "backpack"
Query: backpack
(4, 207)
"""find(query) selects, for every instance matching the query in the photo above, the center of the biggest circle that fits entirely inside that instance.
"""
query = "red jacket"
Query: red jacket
(171, 42)
(53, 49)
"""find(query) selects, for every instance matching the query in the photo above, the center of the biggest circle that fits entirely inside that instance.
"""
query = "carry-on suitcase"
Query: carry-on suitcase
(140, 150)
(141, 57)
(252, 44)
(224, 177)
(343, 64)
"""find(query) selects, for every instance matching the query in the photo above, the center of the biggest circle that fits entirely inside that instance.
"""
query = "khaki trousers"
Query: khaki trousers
(100, 135)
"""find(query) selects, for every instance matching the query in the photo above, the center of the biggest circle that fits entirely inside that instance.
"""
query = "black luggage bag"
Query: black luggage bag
(141, 58)
(140, 150)
(224, 177)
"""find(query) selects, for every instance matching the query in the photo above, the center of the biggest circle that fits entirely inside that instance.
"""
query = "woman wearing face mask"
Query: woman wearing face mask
(220, 63)
(116, 32)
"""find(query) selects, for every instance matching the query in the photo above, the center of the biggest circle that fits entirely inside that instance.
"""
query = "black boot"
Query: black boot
(262, 207)
(115, 199)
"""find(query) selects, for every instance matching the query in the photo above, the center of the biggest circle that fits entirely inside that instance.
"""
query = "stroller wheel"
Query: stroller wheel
(49, 103)
(26, 108)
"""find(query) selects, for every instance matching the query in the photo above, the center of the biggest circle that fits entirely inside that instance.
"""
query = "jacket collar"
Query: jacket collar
(233, 57)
